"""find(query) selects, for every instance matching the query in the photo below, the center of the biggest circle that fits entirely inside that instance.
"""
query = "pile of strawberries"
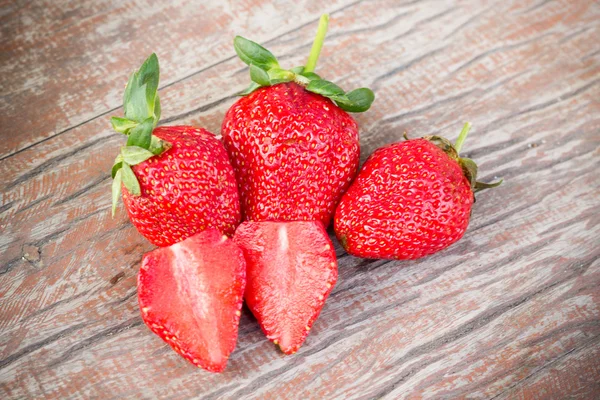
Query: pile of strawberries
(287, 164)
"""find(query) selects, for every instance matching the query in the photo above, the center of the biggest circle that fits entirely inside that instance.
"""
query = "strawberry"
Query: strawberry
(177, 180)
(409, 200)
(190, 295)
(293, 146)
(291, 271)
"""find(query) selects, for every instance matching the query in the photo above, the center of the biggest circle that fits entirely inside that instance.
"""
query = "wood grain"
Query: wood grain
(510, 311)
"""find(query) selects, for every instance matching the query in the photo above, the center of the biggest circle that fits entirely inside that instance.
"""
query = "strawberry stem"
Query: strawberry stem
(462, 137)
(311, 63)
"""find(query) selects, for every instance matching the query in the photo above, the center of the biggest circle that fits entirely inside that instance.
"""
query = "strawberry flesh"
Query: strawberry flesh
(291, 269)
(190, 295)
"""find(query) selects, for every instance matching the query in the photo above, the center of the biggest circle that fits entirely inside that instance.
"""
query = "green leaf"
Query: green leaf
(278, 75)
(134, 155)
(157, 110)
(149, 76)
(358, 100)
(139, 100)
(479, 186)
(116, 166)
(276, 81)
(157, 146)
(298, 70)
(310, 75)
(470, 170)
(302, 80)
(253, 53)
(259, 75)
(116, 190)
(130, 181)
(251, 88)
(122, 125)
(324, 88)
(141, 135)
(137, 107)
(128, 88)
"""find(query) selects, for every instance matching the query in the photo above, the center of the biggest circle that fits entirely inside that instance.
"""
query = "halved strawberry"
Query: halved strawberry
(191, 293)
(291, 269)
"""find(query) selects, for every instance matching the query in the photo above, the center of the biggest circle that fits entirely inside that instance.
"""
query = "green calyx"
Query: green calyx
(141, 107)
(468, 166)
(265, 71)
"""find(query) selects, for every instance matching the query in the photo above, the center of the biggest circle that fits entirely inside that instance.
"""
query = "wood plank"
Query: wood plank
(573, 375)
(494, 315)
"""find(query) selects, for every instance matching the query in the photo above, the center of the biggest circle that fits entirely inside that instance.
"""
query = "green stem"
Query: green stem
(311, 63)
(462, 137)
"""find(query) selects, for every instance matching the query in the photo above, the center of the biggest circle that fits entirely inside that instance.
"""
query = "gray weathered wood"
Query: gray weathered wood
(510, 311)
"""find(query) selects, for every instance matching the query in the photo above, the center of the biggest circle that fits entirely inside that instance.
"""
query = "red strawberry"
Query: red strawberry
(293, 149)
(409, 200)
(184, 190)
(291, 271)
(178, 180)
(190, 295)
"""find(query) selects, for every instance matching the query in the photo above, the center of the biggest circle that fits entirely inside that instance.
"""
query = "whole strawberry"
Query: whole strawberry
(409, 200)
(177, 181)
(292, 144)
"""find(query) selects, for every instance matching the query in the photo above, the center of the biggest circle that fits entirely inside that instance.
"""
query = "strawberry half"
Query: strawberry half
(176, 180)
(291, 269)
(291, 141)
(190, 295)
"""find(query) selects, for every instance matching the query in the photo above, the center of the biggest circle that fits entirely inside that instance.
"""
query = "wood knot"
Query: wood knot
(33, 255)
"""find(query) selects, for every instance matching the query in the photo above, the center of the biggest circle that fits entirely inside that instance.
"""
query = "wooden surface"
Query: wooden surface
(511, 311)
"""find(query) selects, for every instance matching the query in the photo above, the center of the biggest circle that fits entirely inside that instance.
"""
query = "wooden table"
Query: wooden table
(511, 311)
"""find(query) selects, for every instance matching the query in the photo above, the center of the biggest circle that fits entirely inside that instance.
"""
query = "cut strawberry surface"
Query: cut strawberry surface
(291, 269)
(190, 294)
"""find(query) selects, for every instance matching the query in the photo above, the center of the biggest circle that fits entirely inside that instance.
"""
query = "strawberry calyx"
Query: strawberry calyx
(468, 166)
(265, 71)
(141, 107)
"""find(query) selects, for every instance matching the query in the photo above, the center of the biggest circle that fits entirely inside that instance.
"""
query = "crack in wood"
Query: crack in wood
(83, 190)
(53, 306)
(33, 204)
(94, 339)
(51, 163)
(547, 365)
(558, 99)
(41, 344)
(294, 362)
(405, 66)
(498, 49)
